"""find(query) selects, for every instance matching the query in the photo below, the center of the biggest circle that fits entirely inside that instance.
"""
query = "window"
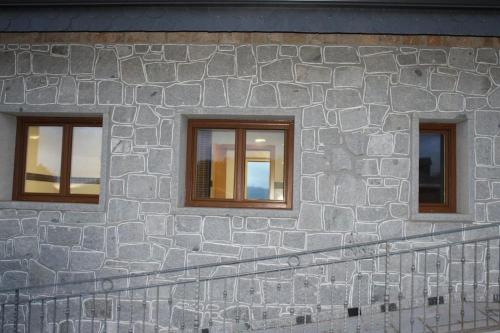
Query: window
(246, 164)
(58, 159)
(437, 168)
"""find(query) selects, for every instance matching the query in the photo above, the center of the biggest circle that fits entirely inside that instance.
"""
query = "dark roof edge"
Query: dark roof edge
(434, 4)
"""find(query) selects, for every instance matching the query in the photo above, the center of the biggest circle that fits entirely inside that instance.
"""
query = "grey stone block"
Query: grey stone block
(382, 144)
(86, 260)
(257, 223)
(348, 76)
(9, 228)
(266, 53)
(366, 167)
(294, 240)
(175, 52)
(214, 94)
(133, 71)
(442, 82)
(24, 63)
(237, 91)
(7, 63)
(487, 56)
(192, 71)
(263, 95)
(494, 98)
(122, 210)
(326, 188)
(282, 223)
(279, 70)
(40, 275)
(313, 163)
(155, 207)
(401, 143)
(482, 190)
(135, 252)
(84, 217)
(188, 223)
(130, 232)
(308, 189)
(462, 58)
(432, 57)
(14, 280)
(407, 59)
(250, 238)
(321, 241)
(314, 116)
(42, 96)
(191, 242)
(381, 63)
(156, 225)
(46, 64)
(406, 99)
(371, 214)
(245, 59)
(312, 74)
(106, 66)
(338, 218)
(25, 247)
(391, 229)
(451, 102)
(146, 116)
(86, 92)
(13, 91)
(81, 59)
(166, 132)
(377, 114)
(382, 195)
(495, 74)
(329, 136)
(35, 81)
(160, 72)
(288, 50)
(342, 98)
(124, 164)
(149, 95)
(487, 122)
(293, 95)
(183, 95)
(141, 186)
(484, 151)
(124, 114)
(376, 89)
(353, 119)
(395, 167)
(310, 217)
(311, 54)
(198, 52)
(110, 92)
(146, 136)
(67, 90)
(396, 122)
(341, 55)
(93, 238)
(351, 190)
(160, 160)
(415, 76)
(473, 84)
(487, 172)
(62, 235)
(52, 217)
(217, 228)
(221, 64)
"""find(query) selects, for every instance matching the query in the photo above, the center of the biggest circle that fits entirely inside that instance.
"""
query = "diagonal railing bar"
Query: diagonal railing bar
(249, 274)
(262, 258)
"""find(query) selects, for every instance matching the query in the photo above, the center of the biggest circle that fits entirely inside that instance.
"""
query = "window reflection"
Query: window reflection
(431, 168)
(264, 164)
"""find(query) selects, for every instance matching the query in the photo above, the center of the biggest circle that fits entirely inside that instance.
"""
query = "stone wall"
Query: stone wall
(353, 139)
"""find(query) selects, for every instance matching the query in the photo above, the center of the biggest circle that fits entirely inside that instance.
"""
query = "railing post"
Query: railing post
(386, 294)
(487, 282)
(450, 288)
(16, 310)
(438, 266)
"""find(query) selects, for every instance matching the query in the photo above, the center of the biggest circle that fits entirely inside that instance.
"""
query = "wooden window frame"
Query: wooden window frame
(64, 195)
(240, 127)
(450, 168)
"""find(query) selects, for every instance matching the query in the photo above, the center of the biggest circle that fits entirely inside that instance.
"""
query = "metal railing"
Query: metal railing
(435, 282)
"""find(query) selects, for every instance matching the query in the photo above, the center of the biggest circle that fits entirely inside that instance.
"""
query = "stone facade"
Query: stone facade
(355, 106)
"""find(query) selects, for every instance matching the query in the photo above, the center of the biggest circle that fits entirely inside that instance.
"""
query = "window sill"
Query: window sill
(242, 212)
(64, 206)
(442, 217)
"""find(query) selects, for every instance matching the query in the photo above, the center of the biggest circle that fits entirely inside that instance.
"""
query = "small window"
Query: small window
(437, 168)
(246, 164)
(58, 159)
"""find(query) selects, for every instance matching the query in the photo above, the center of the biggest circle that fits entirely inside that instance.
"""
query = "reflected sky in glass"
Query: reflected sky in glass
(258, 174)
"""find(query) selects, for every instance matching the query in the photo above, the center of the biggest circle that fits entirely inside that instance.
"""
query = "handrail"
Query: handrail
(257, 259)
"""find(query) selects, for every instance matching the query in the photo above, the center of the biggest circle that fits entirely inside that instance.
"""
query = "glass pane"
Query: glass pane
(431, 168)
(86, 160)
(214, 164)
(264, 165)
(43, 159)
